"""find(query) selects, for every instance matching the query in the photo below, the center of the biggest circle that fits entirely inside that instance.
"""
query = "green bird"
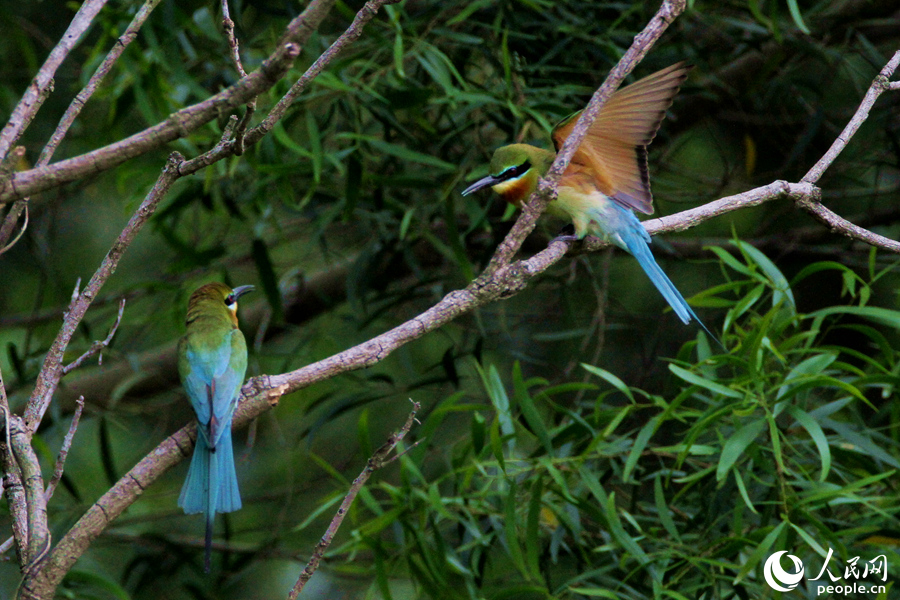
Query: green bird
(607, 178)
(212, 361)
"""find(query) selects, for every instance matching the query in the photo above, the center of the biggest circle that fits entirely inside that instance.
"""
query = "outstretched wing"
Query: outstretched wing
(614, 151)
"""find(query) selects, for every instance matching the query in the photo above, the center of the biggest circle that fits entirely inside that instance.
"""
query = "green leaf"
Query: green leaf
(610, 379)
(86, 579)
(712, 386)
(529, 411)
(406, 154)
(509, 529)
(739, 480)
(798, 18)
(478, 429)
(497, 443)
(662, 509)
(780, 285)
(640, 442)
(532, 529)
(735, 445)
(762, 550)
(815, 432)
(594, 592)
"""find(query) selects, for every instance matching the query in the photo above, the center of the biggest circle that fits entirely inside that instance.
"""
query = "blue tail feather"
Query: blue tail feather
(211, 485)
(641, 251)
(637, 242)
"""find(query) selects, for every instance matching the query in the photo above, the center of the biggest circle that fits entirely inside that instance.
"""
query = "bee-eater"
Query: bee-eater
(607, 178)
(212, 360)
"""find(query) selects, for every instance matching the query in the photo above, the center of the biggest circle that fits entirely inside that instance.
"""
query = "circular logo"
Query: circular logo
(778, 578)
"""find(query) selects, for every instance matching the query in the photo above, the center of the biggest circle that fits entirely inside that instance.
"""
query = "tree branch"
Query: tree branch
(52, 369)
(97, 346)
(812, 204)
(546, 191)
(13, 487)
(178, 124)
(377, 461)
(42, 84)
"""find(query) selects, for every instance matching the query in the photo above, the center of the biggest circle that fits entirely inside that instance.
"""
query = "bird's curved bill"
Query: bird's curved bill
(490, 180)
(240, 291)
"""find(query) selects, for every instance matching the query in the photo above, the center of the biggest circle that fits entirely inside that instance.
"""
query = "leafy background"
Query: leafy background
(576, 440)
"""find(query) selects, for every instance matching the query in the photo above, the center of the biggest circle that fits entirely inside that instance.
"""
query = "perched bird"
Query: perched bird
(607, 178)
(212, 360)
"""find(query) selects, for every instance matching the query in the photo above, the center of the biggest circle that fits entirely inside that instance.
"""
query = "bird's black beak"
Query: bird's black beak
(481, 183)
(240, 291)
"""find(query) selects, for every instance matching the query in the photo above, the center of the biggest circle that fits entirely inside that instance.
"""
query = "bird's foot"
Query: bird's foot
(566, 234)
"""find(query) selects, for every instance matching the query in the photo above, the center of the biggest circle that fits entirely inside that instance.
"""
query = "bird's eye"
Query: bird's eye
(517, 171)
(229, 300)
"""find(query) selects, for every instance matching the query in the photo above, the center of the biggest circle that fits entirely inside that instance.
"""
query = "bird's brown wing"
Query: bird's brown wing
(615, 147)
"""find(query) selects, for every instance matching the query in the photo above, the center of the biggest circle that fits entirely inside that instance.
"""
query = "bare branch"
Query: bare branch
(880, 84)
(64, 451)
(13, 161)
(838, 224)
(97, 346)
(228, 24)
(546, 191)
(812, 204)
(180, 123)
(232, 40)
(353, 32)
(96, 79)
(38, 532)
(279, 110)
(52, 368)
(377, 461)
(42, 84)
(168, 454)
(13, 488)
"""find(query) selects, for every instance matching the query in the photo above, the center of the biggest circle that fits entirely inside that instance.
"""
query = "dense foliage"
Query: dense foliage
(576, 440)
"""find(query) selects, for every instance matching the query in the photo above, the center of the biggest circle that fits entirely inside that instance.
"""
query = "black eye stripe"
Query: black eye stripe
(229, 300)
(517, 171)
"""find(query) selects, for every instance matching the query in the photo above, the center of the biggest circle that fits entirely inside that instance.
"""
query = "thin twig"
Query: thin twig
(813, 204)
(178, 124)
(228, 24)
(232, 39)
(14, 161)
(377, 461)
(878, 86)
(254, 135)
(64, 451)
(352, 33)
(52, 368)
(42, 84)
(97, 346)
(94, 82)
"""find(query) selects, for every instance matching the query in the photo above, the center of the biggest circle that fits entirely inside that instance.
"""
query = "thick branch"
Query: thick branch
(13, 488)
(38, 531)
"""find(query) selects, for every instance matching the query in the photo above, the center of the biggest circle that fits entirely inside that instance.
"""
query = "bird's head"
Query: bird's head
(215, 299)
(515, 170)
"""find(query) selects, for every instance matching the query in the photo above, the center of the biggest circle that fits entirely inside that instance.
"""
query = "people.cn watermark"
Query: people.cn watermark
(785, 580)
